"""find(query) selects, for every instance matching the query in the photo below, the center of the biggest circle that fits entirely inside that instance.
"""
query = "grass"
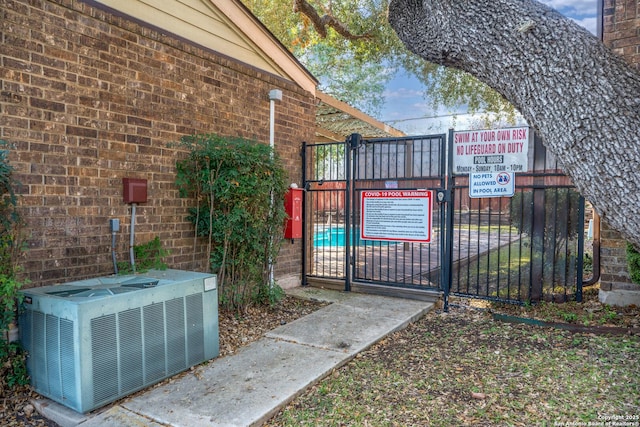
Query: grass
(494, 228)
(500, 271)
(589, 312)
(464, 368)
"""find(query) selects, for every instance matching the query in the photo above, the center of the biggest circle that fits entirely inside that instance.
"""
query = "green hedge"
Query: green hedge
(633, 259)
(239, 186)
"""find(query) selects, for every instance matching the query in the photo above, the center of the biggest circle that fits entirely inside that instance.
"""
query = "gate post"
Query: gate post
(305, 216)
(537, 220)
(446, 220)
(580, 260)
(352, 143)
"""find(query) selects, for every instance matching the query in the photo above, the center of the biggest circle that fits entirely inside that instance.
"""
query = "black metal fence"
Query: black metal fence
(528, 247)
(325, 181)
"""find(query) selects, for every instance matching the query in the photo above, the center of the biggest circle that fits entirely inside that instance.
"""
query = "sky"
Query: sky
(407, 109)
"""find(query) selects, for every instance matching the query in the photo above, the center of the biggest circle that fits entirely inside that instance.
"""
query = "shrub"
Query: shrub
(10, 221)
(147, 256)
(633, 260)
(561, 212)
(13, 368)
(12, 359)
(11, 242)
(238, 186)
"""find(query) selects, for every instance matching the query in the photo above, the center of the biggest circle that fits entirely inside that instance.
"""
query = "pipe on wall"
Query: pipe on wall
(132, 237)
(274, 95)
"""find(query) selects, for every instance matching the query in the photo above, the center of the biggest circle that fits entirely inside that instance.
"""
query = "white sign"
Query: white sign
(492, 150)
(491, 184)
(401, 216)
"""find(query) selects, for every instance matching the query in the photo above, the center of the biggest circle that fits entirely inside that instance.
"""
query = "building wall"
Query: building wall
(621, 33)
(88, 98)
(621, 28)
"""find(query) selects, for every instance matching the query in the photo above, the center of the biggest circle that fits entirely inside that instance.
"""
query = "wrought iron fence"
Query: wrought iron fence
(528, 247)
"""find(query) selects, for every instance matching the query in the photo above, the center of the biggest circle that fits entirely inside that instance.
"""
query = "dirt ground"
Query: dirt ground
(466, 367)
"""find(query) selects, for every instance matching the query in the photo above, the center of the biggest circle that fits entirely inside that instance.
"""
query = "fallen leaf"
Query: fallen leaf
(479, 396)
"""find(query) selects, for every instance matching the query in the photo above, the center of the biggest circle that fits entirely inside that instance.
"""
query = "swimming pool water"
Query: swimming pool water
(335, 236)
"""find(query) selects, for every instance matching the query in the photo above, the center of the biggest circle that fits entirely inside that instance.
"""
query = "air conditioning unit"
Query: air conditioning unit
(94, 341)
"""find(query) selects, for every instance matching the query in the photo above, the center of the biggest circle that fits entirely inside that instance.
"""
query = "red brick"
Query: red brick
(93, 98)
(621, 31)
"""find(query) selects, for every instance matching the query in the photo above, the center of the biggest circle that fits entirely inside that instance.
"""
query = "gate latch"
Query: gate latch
(443, 195)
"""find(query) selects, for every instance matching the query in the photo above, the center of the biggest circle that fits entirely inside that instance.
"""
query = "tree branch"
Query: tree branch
(321, 23)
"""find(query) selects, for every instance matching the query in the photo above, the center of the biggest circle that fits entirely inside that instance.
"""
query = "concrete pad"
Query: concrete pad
(240, 390)
(352, 325)
(389, 307)
(620, 297)
(117, 416)
(60, 414)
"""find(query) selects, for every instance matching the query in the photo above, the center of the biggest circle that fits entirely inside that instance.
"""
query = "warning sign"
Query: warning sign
(491, 184)
(491, 150)
(401, 216)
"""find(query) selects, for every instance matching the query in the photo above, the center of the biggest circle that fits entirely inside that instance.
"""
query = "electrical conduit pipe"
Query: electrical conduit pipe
(274, 95)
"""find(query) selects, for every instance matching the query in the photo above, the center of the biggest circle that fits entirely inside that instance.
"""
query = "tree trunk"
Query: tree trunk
(582, 99)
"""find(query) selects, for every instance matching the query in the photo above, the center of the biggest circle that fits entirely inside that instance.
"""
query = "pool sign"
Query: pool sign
(400, 215)
(491, 184)
(490, 150)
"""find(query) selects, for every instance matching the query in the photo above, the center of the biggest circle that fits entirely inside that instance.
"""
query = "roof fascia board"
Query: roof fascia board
(328, 135)
(266, 41)
(357, 114)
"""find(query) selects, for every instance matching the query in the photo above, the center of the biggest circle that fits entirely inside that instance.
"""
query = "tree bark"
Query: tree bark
(582, 99)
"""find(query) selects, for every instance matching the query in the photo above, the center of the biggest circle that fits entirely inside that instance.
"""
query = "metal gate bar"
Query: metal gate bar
(324, 179)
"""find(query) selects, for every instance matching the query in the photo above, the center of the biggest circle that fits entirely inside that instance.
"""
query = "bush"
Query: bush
(147, 256)
(239, 186)
(633, 260)
(10, 221)
(561, 212)
(13, 367)
(11, 243)
(12, 359)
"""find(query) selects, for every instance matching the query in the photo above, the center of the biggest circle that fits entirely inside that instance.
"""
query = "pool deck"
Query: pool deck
(416, 264)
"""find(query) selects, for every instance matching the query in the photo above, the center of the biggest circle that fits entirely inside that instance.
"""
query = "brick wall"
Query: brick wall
(621, 28)
(87, 98)
(621, 33)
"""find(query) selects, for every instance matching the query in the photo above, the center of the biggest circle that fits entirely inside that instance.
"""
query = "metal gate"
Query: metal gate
(527, 247)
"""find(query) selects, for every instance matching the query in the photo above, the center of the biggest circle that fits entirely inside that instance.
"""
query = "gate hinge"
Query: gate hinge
(443, 195)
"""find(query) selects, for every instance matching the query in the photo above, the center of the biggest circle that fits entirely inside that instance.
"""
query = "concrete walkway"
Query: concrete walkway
(250, 386)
